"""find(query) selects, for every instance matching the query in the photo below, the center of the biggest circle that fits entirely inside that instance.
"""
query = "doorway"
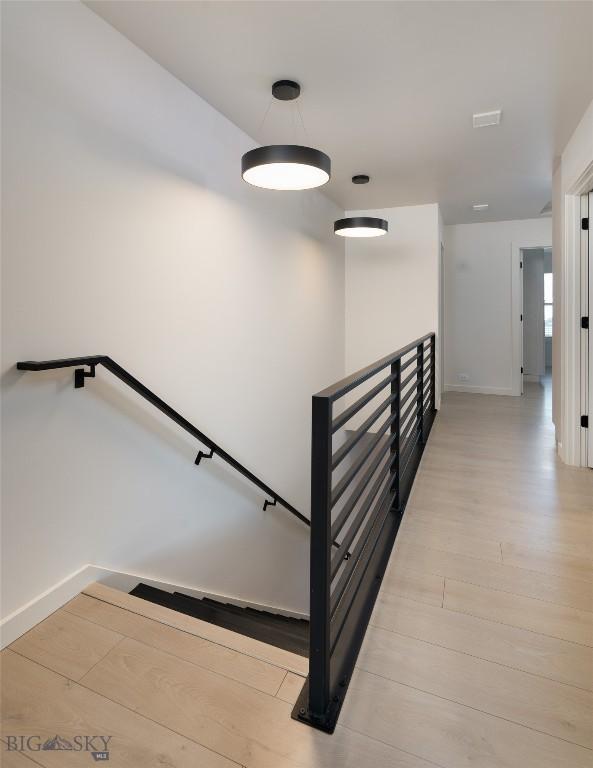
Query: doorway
(537, 316)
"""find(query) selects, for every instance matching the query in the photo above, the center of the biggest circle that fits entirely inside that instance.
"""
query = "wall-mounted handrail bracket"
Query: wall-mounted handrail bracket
(269, 504)
(93, 360)
(202, 455)
(80, 375)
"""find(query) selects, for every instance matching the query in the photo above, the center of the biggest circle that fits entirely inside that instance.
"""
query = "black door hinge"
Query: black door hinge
(585, 223)
(585, 323)
(520, 265)
(521, 369)
(521, 318)
(585, 422)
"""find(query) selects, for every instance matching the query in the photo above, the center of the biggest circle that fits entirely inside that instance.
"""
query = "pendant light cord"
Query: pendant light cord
(266, 113)
(303, 123)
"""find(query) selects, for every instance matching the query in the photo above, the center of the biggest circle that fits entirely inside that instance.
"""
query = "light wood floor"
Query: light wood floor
(479, 653)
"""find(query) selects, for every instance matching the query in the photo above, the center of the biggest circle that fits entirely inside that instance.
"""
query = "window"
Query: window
(548, 304)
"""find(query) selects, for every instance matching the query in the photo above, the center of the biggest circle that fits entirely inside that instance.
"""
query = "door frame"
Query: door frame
(517, 307)
(586, 334)
(573, 363)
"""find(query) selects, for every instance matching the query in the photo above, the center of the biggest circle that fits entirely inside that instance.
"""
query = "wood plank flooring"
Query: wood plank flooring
(479, 653)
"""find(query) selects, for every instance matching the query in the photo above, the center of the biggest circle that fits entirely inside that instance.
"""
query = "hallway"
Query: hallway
(479, 652)
(484, 623)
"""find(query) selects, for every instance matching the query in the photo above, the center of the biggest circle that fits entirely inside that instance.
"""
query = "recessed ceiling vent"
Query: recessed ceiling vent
(483, 119)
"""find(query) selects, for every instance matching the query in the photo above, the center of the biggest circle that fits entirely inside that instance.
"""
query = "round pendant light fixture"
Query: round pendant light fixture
(286, 166)
(360, 226)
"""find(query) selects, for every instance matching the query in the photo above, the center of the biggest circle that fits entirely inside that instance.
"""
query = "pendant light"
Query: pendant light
(286, 166)
(360, 226)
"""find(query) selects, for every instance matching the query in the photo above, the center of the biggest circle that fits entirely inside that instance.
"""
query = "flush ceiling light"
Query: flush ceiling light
(480, 206)
(484, 119)
(286, 166)
(360, 226)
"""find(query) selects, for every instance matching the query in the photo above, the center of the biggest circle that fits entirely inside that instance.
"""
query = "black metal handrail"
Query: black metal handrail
(361, 510)
(93, 361)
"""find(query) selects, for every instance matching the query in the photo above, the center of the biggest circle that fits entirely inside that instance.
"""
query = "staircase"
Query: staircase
(356, 510)
(282, 631)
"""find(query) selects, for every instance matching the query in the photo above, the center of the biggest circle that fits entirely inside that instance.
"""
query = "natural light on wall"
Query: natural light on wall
(548, 303)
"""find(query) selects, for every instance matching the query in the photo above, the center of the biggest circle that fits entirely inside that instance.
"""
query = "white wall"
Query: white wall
(478, 311)
(533, 312)
(129, 232)
(392, 284)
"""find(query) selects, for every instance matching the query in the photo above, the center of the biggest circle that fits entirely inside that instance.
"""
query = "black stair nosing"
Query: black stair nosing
(292, 620)
(276, 620)
(244, 624)
(196, 608)
(237, 616)
(153, 594)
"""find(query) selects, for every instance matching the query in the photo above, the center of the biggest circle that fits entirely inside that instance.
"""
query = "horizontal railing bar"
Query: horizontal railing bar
(341, 454)
(409, 428)
(408, 411)
(335, 391)
(361, 461)
(353, 409)
(428, 392)
(345, 513)
(410, 361)
(409, 378)
(410, 425)
(384, 473)
(410, 437)
(408, 395)
(360, 544)
(410, 450)
(162, 406)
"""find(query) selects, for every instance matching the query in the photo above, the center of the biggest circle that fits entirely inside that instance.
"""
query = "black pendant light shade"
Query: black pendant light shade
(286, 166)
(360, 226)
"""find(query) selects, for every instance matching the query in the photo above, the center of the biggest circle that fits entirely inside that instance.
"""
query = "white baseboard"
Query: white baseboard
(38, 609)
(27, 616)
(478, 390)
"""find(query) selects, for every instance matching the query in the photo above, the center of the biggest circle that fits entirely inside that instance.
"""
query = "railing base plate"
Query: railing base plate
(326, 723)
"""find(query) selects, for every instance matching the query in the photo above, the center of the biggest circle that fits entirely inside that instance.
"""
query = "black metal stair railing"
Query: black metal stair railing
(358, 495)
(80, 374)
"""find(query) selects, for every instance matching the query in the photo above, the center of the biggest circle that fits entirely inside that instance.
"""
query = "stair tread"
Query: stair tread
(260, 625)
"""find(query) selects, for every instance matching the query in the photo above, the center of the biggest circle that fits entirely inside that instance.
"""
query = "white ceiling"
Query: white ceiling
(389, 88)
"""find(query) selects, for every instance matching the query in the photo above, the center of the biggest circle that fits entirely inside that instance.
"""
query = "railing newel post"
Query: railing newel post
(320, 565)
(395, 430)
